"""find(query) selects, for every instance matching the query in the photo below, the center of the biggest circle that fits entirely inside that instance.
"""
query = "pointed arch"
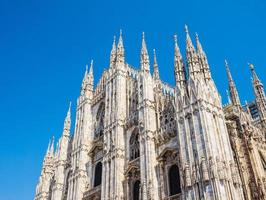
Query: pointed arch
(134, 145)
(136, 190)
(174, 180)
(98, 174)
(167, 119)
(99, 124)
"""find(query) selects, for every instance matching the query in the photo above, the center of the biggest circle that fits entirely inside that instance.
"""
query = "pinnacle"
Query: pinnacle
(91, 68)
(120, 40)
(154, 57)
(69, 109)
(186, 29)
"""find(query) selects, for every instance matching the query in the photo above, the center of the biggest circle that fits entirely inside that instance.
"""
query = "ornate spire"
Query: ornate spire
(85, 74)
(232, 88)
(155, 66)
(90, 75)
(203, 60)
(259, 94)
(189, 45)
(228, 97)
(84, 81)
(48, 148)
(199, 47)
(144, 57)
(51, 150)
(113, 54)
(180, 72)
(87, 83)
(67, 122)
(91, 69)
(120, 49)
(255, 78)
(191, 54)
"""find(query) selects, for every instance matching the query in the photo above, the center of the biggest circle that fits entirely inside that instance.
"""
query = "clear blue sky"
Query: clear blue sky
(44, 46)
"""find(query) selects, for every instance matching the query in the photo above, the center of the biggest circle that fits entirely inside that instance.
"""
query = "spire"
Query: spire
(228, 97)
(203, 60)
(84, 81)
(86, 72)
(120, 49)
(199, 47)
(254, 75)
(51, 151)
(191, 56)
(232, 88)
(259, 94)
(155, 66)
(48, 148)
(90, 75)
(91, 69)
(188, 39)
(87, 83)
(67, 122)
(113, 54)
(144, 58)
(180, 72)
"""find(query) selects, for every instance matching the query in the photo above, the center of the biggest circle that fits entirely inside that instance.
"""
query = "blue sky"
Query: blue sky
(44, 46)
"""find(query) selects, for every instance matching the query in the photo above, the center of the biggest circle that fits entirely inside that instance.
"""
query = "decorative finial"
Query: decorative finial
(86, 70)
(228, 97)
(91, 68)
(251, 66)
(69, 108)
(154, 57)
(143, 35)
(49, 146)
(197, 36)
(175, 38)
(52, 145)
(120, 32)
(226, 63)
(186, 28)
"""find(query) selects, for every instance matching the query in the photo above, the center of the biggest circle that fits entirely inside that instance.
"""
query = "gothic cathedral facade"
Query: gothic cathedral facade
(137, 138)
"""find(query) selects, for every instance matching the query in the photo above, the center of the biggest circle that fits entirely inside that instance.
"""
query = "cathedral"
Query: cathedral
(138, 138)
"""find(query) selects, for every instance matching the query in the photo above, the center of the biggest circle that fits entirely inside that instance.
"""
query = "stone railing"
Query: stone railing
(94, 193)
(174, 197)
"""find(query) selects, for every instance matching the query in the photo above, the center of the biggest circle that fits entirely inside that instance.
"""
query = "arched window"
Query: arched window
(167, 119)
(174, 180)
(134, 145)
(98, 174)
(99, 124)
(136, 191)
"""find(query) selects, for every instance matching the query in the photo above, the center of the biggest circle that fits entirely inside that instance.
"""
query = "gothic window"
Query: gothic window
(134, 145)
(167, 119)
(98, 174)
(174, 180)
(136, 188)
(99, 125)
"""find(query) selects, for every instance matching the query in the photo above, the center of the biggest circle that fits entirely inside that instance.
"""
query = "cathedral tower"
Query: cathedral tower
(139, 138)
